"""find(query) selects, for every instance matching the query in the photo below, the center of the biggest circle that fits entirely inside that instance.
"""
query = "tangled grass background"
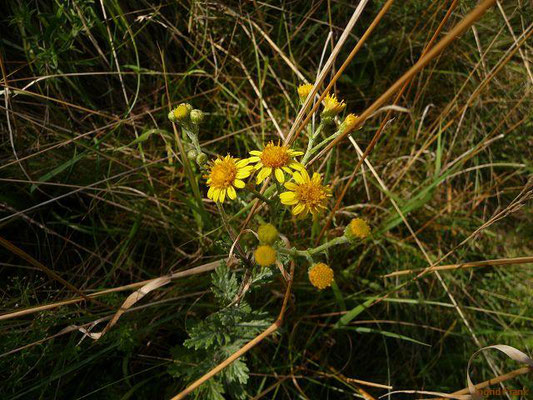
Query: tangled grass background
(95, 196)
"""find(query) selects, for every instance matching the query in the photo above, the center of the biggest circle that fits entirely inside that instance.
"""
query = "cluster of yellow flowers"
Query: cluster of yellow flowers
(305, 193)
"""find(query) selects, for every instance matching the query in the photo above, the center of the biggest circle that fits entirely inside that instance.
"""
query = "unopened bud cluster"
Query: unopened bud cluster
(189, 120)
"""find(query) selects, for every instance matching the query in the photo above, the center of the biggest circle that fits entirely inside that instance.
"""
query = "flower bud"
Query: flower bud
(332, 106)
(320, 276)
(357, 229)
(265, 255)
(181, 113)
(201, 159)
(191, 154)
(348, 124)
(197, 116)
(303, 91)
(267, 233)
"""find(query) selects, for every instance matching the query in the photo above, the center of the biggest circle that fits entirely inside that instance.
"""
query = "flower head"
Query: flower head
(180, 113)
(320, 276)
(332, 106)
(303, 91)
(226, 174)
(275, 158)
(357, 229)
(307, 195)
(265, 255)
(348, 124)
(197, 116)
(267, 233)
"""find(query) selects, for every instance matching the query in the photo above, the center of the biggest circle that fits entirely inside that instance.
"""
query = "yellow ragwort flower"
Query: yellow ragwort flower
(307, 195)
(265, 255)
(320, 276)
(226, 174)
(357, 229)
(304, 90)
(332, 106)
(275, 158)
(180, 113)
(267, 233)
(348, 124)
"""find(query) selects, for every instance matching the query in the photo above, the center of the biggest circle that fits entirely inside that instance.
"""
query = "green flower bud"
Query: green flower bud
(191, 154)
(197, 116)
(201, 159)
(267, 233)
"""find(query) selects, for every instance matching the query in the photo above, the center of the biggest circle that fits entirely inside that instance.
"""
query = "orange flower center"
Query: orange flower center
(275, 156)
(223, 174)
(310, 194)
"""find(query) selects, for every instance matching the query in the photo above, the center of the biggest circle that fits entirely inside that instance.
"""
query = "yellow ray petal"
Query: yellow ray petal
(295, 153)
(305, 176)
(222, 195)
(288, 198)
(298, 209)
(244, 172)
(238, 184)
(232, 193)
(242, 163)
(256, 153)
(291, 186)
(298, 178)
(297, 166)
(263, 174)
(279, 175)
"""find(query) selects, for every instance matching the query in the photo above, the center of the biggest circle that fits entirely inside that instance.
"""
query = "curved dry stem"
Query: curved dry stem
(191, 271)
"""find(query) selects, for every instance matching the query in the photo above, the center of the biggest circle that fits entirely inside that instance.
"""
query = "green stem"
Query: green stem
(310, 252)
(231, 233)
(312, 137)
(324, 142)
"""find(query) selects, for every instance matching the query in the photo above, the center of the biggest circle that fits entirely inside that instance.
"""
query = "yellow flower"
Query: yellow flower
(307, 195)
(275, 158)
(357, 229)
(304, 90)
(348, 124)
(180, 113)
(320, 276)
(267, 233)
(226, 174)
(265, 255)
(332, 106)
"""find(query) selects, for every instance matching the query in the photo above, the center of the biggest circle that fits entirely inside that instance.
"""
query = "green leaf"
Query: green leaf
(354, 312)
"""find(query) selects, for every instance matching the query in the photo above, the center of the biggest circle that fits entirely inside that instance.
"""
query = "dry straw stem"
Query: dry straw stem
(462, 26)
(321, 76)
(182, 274)
(248, 346)
(344, 65)
(486, 263)
(494, 381)
(329, 63)
(381, 128)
